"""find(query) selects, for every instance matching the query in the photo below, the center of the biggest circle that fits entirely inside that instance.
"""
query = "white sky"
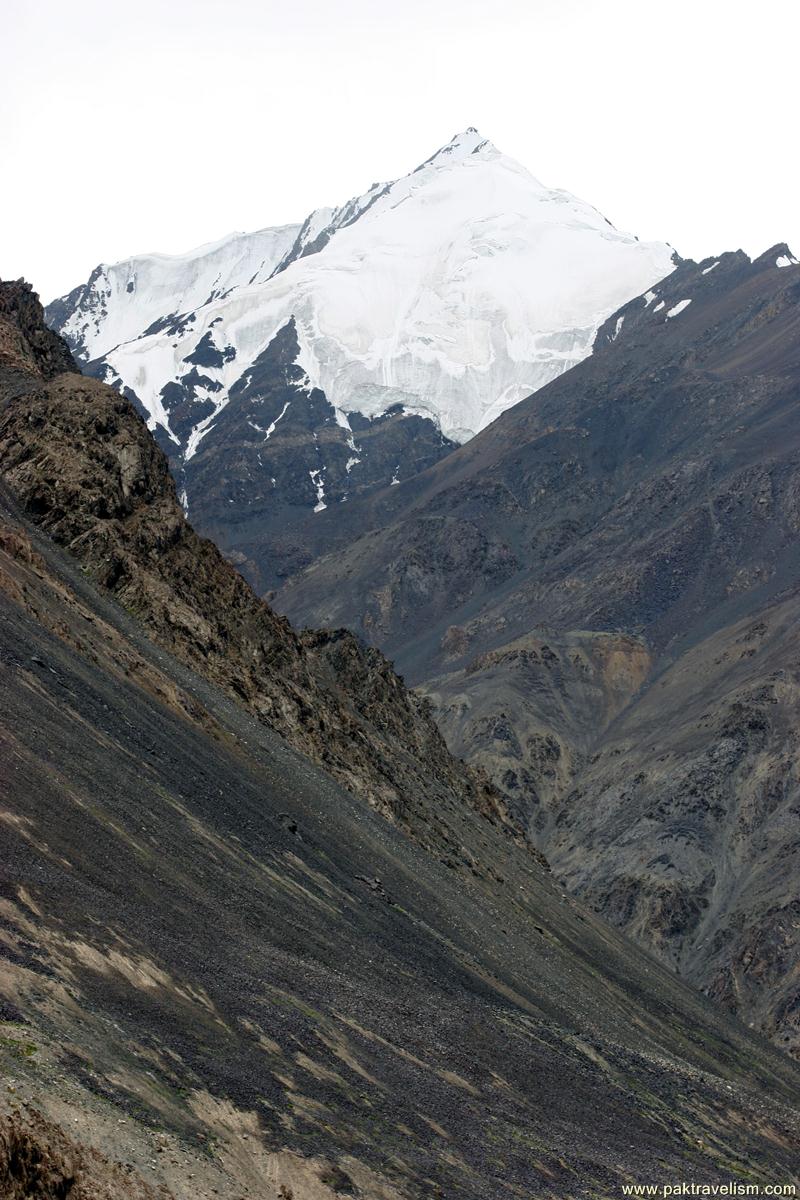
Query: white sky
(139, 126)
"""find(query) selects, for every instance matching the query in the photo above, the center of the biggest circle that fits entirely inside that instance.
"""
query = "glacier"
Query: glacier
(454, 291)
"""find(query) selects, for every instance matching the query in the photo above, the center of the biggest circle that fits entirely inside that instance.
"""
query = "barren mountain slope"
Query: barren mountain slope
(616, 533)
(224, 974)
(82, 462)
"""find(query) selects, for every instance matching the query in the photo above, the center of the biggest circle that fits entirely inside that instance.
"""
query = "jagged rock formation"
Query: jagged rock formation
(27, 346)
(570, 588)
(225, 974)
(39, 1158)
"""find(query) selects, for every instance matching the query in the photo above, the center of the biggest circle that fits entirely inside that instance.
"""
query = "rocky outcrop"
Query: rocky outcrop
(39, 1159)
(84, 467)
(26, 344)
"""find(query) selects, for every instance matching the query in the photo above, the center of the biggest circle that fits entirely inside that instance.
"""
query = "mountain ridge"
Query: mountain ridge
(466, 155)
(563, 570)
(420, 310)
(223, 971)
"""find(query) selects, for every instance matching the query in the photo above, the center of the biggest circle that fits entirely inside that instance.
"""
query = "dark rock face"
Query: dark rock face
(649, 494)
(207, 353)
(276, 458)
(235, 976)
(683, 827)
(532, 712)
(26, 344)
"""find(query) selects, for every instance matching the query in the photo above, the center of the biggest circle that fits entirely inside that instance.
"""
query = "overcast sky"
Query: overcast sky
(139, 126)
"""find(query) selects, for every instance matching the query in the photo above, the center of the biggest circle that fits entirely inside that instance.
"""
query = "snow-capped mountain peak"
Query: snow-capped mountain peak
(460, 146)
(452, 291)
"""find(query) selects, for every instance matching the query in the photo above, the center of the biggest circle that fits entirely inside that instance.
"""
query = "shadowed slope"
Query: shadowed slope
(208, 938)
(224, 971)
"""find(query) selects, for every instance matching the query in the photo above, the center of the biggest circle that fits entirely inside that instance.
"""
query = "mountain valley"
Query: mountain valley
(231, 966)
(597, 593)
(401, 671)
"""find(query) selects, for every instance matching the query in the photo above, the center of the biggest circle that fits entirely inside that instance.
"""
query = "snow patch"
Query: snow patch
(649, 297)
(271, 429)
(316, 479)
(785, 260)
(708, 270)
(679, 307)
(205, 426)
